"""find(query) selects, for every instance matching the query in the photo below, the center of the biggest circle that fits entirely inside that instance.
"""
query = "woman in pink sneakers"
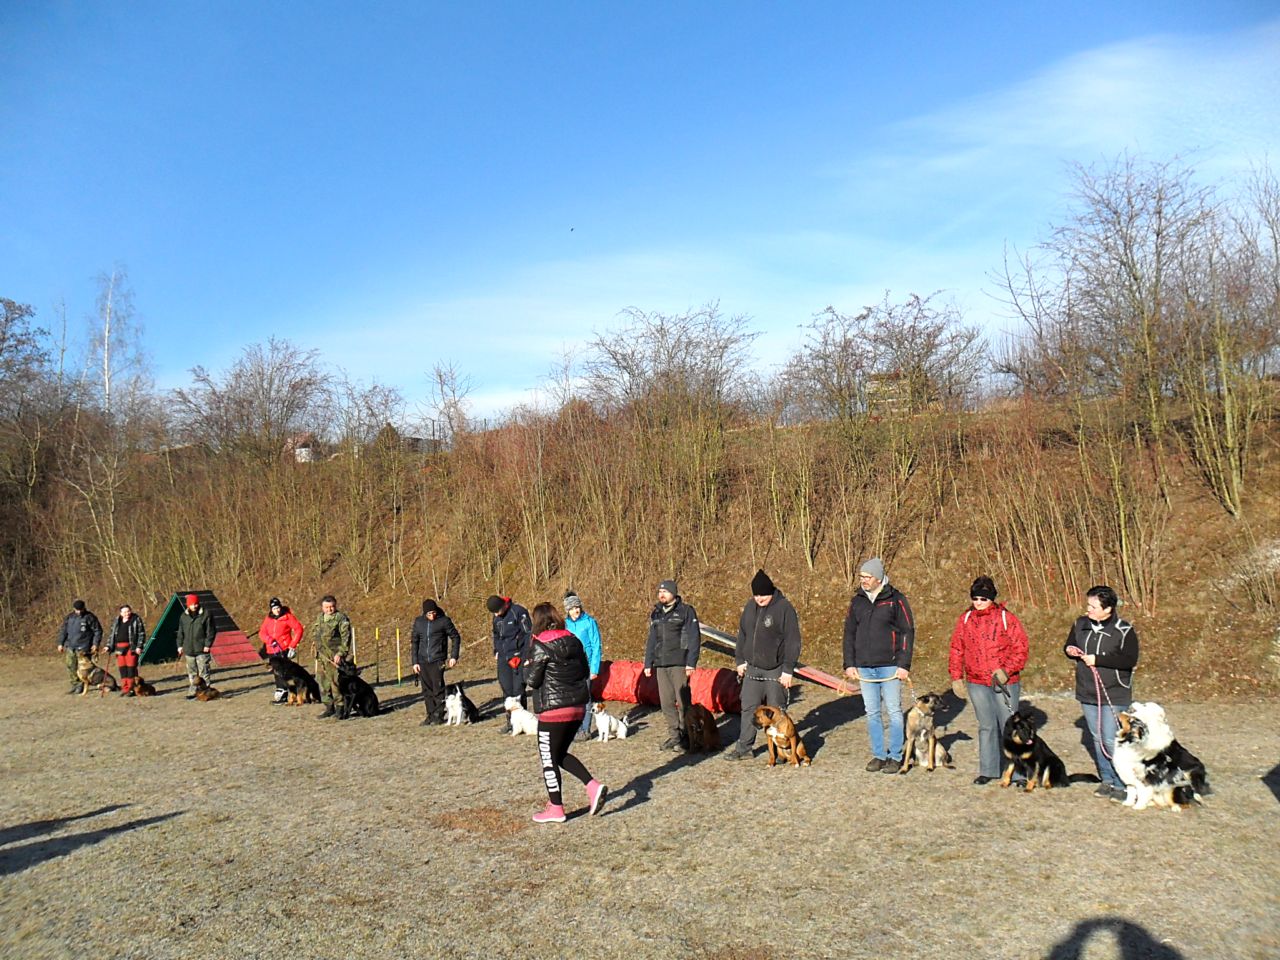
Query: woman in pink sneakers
(557, 679)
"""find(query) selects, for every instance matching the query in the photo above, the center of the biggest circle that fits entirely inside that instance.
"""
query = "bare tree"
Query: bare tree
(271, 394)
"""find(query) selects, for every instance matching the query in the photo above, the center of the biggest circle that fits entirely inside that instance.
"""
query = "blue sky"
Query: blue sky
(488, 184)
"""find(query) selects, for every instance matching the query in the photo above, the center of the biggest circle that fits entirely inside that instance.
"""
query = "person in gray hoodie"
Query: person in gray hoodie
(766, 653)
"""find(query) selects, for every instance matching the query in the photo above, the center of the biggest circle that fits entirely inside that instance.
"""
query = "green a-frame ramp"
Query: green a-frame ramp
(230, 645)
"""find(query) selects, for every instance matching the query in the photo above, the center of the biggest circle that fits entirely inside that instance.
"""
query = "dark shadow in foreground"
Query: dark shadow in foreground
(25, 831)
(17, 859)
(1272, 780)
(1132, 942)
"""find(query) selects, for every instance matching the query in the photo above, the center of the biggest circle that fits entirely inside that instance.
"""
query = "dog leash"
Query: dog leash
(1100, 690)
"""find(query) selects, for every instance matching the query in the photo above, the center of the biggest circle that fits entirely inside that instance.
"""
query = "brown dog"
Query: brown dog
(143, 689)
(204, 692)
(922, 736)
(92, 675)
(700, 729)
(781, 736)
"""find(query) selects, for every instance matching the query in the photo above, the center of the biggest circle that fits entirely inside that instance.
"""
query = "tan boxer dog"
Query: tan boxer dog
(781, 736)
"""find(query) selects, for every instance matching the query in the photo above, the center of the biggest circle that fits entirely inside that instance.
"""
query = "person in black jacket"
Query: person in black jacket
(558, 679)
(128, 637)
(511, 637)
(670, 654)
(434, 645)
(879, 634)
(766, 653)
(81, 632)
(1105, 649)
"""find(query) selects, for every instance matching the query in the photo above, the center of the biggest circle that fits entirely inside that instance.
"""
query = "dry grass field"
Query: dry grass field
(164, 828)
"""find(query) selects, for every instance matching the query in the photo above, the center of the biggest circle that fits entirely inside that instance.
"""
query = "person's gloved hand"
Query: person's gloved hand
(959, 689)
(1000, 677)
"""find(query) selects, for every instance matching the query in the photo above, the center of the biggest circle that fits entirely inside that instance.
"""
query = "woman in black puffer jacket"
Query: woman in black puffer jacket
(557, 678)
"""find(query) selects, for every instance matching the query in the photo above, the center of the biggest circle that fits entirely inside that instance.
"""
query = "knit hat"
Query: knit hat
(193, 600)
(669, 586)
(983, 587)
(571, 600)
(873, 568)
(78, 606)
(274, 602)
(495, 604)
(761, 585)
(430, 606)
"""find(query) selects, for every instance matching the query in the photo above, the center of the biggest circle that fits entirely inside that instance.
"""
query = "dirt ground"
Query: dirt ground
(169, 828)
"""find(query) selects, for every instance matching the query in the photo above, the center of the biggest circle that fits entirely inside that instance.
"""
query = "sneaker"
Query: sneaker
(875, 764)
(552, 813)
(581, 736)
(596, 795)
(1103, 792)
(74, 690)
(982, 781)
(328, 712)
(890, 766)
(671, 743)
(737, 753)
(191, 696)
(1119, 794)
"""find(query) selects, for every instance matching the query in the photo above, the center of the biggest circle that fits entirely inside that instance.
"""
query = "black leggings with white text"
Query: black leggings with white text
(554, 740)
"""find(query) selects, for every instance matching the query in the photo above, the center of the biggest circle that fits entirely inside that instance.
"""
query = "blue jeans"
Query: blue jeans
(886, 694)
(1106, 772)
(992, 710)
(585, 726)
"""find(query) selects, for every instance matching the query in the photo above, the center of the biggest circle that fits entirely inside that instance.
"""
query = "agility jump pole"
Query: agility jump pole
(399, 674)
(726, 643)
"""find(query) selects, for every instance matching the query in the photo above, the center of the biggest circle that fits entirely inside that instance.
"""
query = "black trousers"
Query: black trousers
(511, 681)
(432, 679)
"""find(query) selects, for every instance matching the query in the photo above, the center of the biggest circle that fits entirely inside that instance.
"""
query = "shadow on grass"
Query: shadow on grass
(1131, 942)
(636, 790)
(25, 831)
(17, 859)
(1272, 780)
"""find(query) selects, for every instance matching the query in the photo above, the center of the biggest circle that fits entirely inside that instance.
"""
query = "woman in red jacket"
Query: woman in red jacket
(281, 632)
(988, 652)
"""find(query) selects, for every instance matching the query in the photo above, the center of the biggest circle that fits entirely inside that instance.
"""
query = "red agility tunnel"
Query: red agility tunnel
(623, 681)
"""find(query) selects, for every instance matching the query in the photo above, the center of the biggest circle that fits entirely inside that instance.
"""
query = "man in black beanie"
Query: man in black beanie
(766, 654)
(434, 643)
(512, 635)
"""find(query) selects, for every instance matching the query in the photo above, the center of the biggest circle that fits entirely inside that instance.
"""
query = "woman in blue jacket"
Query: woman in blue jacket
(583, 626)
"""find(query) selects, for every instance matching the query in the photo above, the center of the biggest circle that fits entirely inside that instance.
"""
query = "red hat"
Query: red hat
(193, 600)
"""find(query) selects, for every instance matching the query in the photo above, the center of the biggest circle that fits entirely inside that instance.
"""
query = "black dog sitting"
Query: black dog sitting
(293, 677)
(357, 695)
(1028, 756)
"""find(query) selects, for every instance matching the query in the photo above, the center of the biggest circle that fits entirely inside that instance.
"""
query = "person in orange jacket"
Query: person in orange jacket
(281, 632)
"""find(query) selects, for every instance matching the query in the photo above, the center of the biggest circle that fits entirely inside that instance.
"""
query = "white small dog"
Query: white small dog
(522, 720)
(607, 726)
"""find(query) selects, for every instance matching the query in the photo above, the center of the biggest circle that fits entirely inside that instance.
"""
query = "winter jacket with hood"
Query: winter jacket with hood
(429, 638)
(674, 638)
(879, 632)
(195, 632)
(587, 630)
(985, 641)
(512, 632)
(1114, 645)
(280, 634)
(768, 638)
(558, 672)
